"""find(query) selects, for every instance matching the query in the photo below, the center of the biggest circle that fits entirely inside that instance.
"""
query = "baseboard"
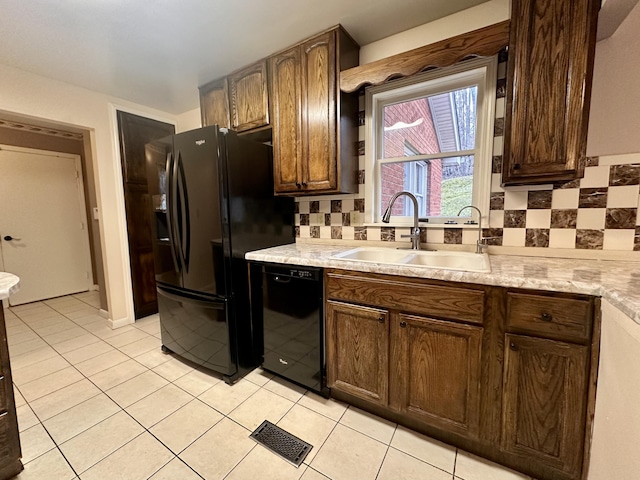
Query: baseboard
(104, 313)
(119, 323)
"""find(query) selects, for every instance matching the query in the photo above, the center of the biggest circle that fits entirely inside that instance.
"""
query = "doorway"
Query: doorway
(43, 226)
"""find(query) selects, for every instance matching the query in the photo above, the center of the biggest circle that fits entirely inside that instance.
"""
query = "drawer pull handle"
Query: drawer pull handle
(403, 324)
(547, 317)
(4, 413)
(381, 319)
(513, 347)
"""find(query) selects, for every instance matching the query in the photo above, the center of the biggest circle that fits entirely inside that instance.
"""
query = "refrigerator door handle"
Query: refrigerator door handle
(186, 226)
(170, 211)
(213, 304)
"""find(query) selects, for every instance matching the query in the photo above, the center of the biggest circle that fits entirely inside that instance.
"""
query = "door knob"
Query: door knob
(8, 238)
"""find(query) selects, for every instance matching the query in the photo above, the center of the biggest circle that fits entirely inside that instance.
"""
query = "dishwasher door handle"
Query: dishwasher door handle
(281, 279)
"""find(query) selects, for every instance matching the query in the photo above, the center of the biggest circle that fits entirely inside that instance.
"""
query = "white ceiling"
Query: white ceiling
(156, 53)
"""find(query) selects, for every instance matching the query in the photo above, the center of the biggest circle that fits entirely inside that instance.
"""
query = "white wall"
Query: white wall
(616, 429)
(483, 15)
(188, 120)
(31, 95)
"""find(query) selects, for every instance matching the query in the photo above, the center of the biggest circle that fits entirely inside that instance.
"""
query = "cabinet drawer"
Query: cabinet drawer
(555, 317)
(454, 303)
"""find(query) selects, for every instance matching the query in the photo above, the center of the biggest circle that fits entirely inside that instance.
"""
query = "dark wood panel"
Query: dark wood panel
(557, 317)
(357, 340)
(249, 97)
(544, 401)
(135, 132)
(438, 371)
(484, 42)
(214, 103)
(408, 296)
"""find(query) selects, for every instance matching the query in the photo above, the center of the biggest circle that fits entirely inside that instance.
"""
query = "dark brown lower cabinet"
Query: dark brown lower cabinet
(506, 374)
(545, 387)
(10, 453)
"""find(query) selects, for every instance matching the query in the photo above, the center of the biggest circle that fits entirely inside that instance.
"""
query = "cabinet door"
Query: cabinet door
(319, 113)
(249, 101)
(285, 94)
(214, 103)
(551, 51)
(437, 372)
(543, 417)
(357, 350)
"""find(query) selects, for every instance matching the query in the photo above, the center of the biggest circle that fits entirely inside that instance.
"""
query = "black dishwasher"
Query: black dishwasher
(292, 308)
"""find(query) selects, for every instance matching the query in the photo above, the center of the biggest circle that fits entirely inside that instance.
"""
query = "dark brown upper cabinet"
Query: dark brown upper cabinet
(214, 103)
(314, 124)
(551, 52)
(248, 100)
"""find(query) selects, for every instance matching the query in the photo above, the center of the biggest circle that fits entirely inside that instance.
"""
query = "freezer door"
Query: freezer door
(197, 211)
(197, 329)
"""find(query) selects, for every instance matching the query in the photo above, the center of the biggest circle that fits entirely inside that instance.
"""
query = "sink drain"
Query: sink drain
(282, 443)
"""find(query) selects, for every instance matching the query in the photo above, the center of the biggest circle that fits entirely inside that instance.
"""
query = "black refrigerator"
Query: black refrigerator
(212, 201)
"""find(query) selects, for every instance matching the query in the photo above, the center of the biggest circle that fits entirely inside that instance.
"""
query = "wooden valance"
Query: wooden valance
(483, 42)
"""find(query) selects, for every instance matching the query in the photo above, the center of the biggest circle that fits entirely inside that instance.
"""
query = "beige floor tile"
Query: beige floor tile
(153, 358)
(81, 417)
(400, 465)
(138, 387)
(141, 346)
(369, 424)
(311, 474)
(160, 404)
(85, 450)
(176, 469)
(197, 382)
(285, 389)
(29, 358)
(138, 459)
(60, 337)
(265, 465)
(470, 467)
(309, 426)
(183, 427)
(26, 417)
(424, 448)
(50, 465)
(219, 450)
(100, 329)
(102, 362)
(262, 405)
(348, 454)
(53, 326)
(38, 370)
(49, 384)
(172, 369)
(88, 352)
(81, 313)
(19, 399)
(17, 338)
(16, 327)
(76, 343)
(225, 398)
(27, 347)
(117, 374)
(325, 406)
(126, 338)
(151, 328)
(63, 399)
(34, 442)
(259, 376)
(88, 319)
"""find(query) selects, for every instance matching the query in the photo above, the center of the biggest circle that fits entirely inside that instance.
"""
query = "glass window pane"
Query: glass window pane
(442, 187)
(432, 124)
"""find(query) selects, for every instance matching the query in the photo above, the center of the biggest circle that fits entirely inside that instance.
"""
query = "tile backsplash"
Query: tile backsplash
(596, 212)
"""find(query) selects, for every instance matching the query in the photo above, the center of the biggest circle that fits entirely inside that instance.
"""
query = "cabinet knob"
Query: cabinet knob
(547, 317)
(381, 319)
(304, 184)
(516, 166)
(513, 346)
(298, 185)
(403, 324)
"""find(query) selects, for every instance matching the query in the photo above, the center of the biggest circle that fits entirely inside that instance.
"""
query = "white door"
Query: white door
(43, 228)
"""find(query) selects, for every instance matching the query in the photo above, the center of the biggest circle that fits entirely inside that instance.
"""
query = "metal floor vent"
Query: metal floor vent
(282, 443)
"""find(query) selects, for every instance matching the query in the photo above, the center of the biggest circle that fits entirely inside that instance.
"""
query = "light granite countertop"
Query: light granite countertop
(9, 284)
(616, 281)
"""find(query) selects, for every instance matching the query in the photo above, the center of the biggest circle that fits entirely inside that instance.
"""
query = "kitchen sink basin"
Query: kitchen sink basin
(446, 260)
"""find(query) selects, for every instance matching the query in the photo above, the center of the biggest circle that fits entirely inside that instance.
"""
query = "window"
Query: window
(431, 135)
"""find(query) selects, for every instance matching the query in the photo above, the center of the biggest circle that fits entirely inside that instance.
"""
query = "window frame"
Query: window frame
(481, 72)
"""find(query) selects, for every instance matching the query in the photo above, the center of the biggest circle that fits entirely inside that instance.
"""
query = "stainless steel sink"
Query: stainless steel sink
(446, 260)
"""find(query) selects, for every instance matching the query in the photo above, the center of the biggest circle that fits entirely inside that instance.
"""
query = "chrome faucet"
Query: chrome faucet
(480, 243)
(415, 231)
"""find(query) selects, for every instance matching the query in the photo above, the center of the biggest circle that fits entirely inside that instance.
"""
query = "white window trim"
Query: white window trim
(482, 72)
